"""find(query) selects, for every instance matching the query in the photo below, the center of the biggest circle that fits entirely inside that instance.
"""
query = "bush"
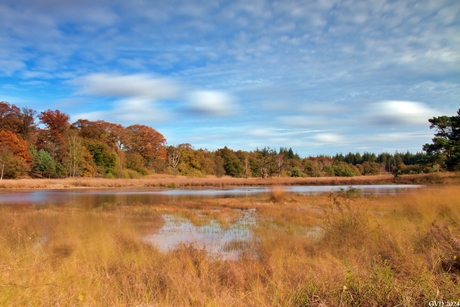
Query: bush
(13, 167)
(130, 174)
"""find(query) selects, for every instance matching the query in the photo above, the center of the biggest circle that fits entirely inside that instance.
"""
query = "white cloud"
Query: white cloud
(139, 85)
(394, 112)
(142, 98)
(329, 138)
(137, 97)
(211, 103)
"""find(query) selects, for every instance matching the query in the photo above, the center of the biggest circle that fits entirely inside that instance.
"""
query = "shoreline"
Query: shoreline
(182, 181)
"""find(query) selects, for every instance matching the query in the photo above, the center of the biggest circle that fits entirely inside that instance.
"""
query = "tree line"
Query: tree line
(57, 149)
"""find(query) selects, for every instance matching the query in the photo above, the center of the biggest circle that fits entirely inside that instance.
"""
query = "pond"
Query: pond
(227, 243)
(127, 196)
(219, 243)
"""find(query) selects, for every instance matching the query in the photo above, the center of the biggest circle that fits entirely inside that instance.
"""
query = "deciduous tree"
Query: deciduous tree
(174, 155)
(14, 155)
(147, 142)
(17, 121)
(52, 139)
(16, 145)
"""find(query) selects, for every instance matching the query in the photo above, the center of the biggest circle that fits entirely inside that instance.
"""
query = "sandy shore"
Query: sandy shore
(182, 181)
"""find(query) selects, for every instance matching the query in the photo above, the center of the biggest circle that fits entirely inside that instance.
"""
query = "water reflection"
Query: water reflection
(97, 197)
(219, 243)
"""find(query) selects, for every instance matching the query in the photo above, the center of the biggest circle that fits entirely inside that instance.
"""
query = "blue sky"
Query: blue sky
(322, 77)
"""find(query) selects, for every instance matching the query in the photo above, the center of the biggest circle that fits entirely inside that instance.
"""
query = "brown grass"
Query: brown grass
(328, 250)
(212, 181)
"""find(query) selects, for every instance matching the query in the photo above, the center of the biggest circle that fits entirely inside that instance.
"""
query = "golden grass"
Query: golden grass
(327, 250)
(169, 181)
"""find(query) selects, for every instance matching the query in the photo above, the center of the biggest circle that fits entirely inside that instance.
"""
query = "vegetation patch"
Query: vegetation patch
(339, 249)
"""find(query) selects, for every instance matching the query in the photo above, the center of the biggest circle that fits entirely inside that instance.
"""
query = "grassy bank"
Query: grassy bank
(330, 250)
(182, 181)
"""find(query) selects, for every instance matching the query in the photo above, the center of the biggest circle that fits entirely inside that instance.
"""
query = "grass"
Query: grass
(169, 181)
(399, 250)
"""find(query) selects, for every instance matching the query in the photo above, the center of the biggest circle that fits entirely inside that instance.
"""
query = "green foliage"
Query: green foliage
(288, 153)
(370, 168)
(445, 149)
(268, 162)
(343, 169)
(43, 164)
(130, 174)
(135, 162)
(311, 168)
(104, 159)
(295, 172)
(230, 162)
(329, 171)
(12, 166)
(219, 166)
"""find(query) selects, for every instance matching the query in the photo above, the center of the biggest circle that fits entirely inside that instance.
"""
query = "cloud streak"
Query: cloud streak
(392, 113)
(144, 98)
(139, 85)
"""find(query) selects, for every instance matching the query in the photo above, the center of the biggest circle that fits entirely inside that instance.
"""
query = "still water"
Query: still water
(127, 196)
(228, 243)
(219, 243)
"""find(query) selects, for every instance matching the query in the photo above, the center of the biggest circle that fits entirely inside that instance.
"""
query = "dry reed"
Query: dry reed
(168, 181)
(328, 250)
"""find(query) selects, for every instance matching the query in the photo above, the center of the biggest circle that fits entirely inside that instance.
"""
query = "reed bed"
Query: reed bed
(169, 181)
(338, 249)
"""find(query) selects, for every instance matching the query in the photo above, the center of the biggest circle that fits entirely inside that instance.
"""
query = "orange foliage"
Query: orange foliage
(16, 145)
(146, 141)
(57, 124)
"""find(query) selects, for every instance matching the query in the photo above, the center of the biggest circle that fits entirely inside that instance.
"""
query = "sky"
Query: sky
(322, 77)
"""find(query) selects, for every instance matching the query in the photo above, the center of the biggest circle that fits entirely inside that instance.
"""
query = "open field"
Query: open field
(340, 249)
(211, 181)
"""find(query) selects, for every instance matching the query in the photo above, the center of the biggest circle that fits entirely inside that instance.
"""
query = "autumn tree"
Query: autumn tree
(9, 117)
(112, 135)
(174, 155)
(13, 154)
(75, 150)
(27, 126)
(52, 138)
(243, 156)
(21, 122)
(135, 162)
(370, 168)
(206, 161)
(147, 142)
(219, 170)
(266, 162)
(318, 166)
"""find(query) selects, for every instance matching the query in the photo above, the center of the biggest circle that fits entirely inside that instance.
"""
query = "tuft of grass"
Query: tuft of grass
(277, 194)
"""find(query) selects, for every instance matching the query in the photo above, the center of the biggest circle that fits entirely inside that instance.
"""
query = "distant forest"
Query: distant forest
(101, 149)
